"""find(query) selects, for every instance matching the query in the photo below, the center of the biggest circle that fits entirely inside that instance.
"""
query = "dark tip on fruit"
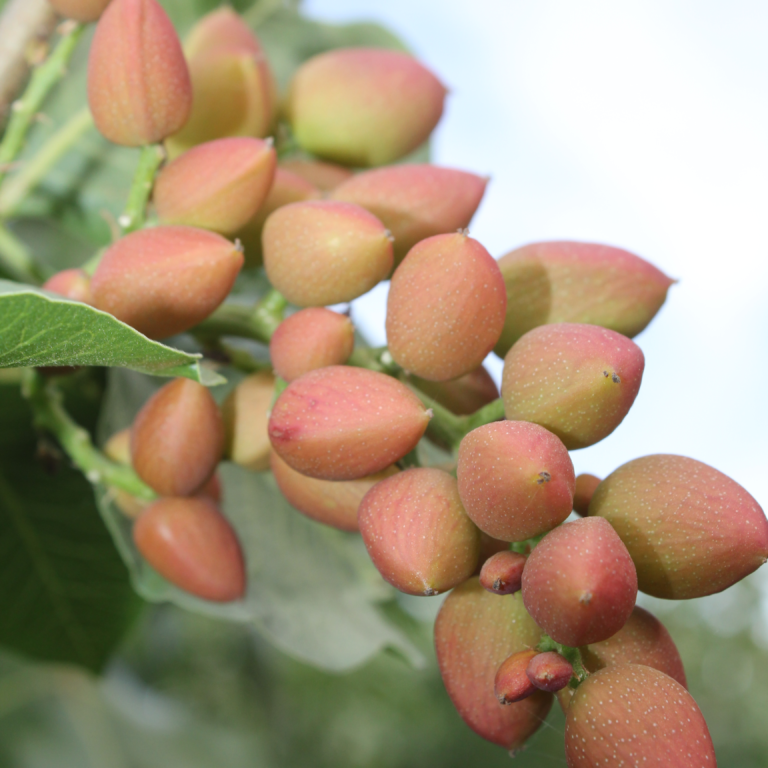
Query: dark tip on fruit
(499, 584)
(463, 231)
(239, 245)
(429, 592)
(544, 477)
(616, 379)
(586, 598)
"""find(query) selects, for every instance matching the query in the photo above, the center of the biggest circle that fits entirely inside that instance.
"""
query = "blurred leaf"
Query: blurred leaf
(311, 590)
(64, 592)
(41, 329)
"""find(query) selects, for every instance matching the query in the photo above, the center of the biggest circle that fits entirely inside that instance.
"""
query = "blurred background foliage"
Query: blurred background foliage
(182, 689)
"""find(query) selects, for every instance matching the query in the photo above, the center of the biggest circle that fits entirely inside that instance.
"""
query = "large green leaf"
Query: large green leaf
(311, 590)
(38, 328)
(64, 592)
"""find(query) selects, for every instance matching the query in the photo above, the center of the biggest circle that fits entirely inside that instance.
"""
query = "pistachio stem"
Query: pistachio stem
(134, 214)
(49, 414)
(15, 258)
(16, 190)
(44, 77)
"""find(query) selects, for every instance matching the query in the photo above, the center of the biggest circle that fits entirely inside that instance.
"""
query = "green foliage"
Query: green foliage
(64, 592)
(41, 329)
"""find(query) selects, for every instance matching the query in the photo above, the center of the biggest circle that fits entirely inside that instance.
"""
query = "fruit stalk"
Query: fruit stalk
(49, 413)
(16, 190)
(43, 79)
(133, 216)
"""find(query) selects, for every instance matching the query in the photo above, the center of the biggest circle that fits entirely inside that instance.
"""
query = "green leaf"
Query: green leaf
(311, 590)
(38, 328)
(64, 592)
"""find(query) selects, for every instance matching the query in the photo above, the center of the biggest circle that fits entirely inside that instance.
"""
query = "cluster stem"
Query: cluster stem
(134, 215)
(44, 77)
(49, 414)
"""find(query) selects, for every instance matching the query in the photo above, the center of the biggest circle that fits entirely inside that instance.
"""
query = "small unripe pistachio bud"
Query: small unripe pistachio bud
(363, 106)
(502, 573)
(245, 413)
(415, 202)
(219, 185)
(177, 438)
(190, 543)
(139, 90)
(80, 10)
(72, 284)
(549, 671)
(324, 176)
(312, 338)
(164, 280)
(511, 683)
(325, 252)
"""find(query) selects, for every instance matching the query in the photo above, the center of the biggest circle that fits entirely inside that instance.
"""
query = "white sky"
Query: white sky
(638, 124)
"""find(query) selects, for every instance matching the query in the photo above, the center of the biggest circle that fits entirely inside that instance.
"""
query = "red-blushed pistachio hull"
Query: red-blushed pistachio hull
(633, 715)
(585, 489)
(245, 414)
(691, 530)
(502, 573)
(312, 338)
(219, 185)
(333, 503)
(417, 533)
(322, 252)
(234, 95)
(190, 543)
(415, 202)
(139, 89)
(464, 395)
(324, 176)
(474, 632)
(642, 640)
(579, 583)
(511, 683)
(286, 188)
(222, 28)
(567, 282)
(343, 423)
(549, 671)
(363, 106)
(445, 307)
(516, 479)
(164, 280)
(118, 448)
(80, 10)
(72, 284)
(579, 381)
(177, 438)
